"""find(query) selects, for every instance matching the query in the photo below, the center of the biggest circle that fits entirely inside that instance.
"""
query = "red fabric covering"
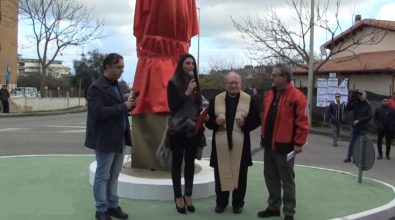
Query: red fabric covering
(200, 121)
(163, 29)
(391, 102)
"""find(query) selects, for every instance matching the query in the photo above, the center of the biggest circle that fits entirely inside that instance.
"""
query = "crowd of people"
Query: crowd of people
(231, 115)
(362, 114)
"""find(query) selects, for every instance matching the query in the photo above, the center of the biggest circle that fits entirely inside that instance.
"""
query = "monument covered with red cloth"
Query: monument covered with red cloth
(163, 31)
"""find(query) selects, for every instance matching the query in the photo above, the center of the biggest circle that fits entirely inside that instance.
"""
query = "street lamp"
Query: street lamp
(310, 76)
(198, 50)
(79, 92)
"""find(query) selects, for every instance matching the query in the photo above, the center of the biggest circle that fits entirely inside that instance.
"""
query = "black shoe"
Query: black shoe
(268, 213)
(117, 213)
(347, 160)
(288, 217)
(219, 209)
(387, 157)
(379, 157)
(181, 210)
(102, 216)
(237, 209)
(190, 208)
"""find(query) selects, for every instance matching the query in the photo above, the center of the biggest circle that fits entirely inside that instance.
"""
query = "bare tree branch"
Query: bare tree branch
(58, 24)
(270, 38)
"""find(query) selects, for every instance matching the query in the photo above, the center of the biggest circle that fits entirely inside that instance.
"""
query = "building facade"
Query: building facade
(32, 66)
(8, 40)
(368, 64)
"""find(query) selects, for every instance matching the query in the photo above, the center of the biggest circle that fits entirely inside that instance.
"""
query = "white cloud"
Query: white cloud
(387, 12)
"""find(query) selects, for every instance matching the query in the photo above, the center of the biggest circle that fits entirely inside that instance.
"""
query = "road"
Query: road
(64, 134)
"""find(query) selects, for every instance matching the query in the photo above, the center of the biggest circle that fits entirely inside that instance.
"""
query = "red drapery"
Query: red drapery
(163, 30)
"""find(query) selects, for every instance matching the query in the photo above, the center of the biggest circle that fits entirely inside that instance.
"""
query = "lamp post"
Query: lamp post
(79, 92)
(310, 76)
(198, 50)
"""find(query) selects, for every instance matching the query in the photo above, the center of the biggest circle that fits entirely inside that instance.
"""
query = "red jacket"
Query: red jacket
(291, 125)
(391, 102)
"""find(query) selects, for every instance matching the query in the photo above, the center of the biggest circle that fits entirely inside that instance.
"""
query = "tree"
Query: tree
(87, 69)
(56, 25)
(218, 64)
(272, 39)
(30, 80)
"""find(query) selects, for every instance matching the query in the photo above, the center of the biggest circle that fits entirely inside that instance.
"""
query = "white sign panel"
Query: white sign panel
(327, 89)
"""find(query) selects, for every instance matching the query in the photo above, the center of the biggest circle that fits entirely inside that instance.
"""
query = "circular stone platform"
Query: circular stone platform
(144, 184)
(48, 187)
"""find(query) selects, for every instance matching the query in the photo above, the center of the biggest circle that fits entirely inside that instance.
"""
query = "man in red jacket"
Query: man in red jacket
(285, 128)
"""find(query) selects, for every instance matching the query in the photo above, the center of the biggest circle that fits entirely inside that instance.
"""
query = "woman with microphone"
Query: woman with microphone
(184, 102)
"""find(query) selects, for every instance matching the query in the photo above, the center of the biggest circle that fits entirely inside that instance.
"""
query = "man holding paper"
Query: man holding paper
(232, 115)
(284, 131)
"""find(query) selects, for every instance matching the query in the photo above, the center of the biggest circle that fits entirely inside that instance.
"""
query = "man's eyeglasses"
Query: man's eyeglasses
(337, 96)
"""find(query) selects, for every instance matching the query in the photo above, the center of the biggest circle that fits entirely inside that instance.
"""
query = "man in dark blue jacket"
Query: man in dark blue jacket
(335, 114)
(362, 114)
(107, 132)
(384, 118)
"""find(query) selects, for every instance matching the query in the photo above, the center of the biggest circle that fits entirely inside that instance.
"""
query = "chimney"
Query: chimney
(357, 18)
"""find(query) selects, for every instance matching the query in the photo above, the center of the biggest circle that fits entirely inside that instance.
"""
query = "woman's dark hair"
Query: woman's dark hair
(184, 78)
(111, 59)
(179, 73)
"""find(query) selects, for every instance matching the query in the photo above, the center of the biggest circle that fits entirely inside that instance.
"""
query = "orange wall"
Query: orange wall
(8, 38)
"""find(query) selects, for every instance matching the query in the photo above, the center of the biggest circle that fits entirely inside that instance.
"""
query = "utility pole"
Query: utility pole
(198, 50)
(310, 76)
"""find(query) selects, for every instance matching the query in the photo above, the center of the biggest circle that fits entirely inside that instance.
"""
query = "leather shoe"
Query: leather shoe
(379, 157)
(117, 213)
(268, 213)
(237, 209)
(102, 216)
(387, 157)
(288, 217)
(219, 209)
(347, 160)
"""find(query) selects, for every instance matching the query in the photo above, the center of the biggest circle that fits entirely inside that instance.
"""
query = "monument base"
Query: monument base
(147, 134)
(144, 184)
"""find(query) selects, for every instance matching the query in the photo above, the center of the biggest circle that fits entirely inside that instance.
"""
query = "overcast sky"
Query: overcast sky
(218, 38)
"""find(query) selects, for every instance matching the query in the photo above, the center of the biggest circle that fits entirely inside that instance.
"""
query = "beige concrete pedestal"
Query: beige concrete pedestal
(147, 133)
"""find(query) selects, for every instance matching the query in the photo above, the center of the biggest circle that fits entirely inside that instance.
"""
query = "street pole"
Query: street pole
(198, 50)
(79, 93)
(310, 81)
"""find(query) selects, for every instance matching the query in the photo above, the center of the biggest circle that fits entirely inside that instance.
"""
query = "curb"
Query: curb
(343, 136)
(44, 113)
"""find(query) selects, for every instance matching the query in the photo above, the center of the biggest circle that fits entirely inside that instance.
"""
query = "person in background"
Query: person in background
(5, 96)
(107, 132)
(384, 118)
(335, 114)
(362, 114)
